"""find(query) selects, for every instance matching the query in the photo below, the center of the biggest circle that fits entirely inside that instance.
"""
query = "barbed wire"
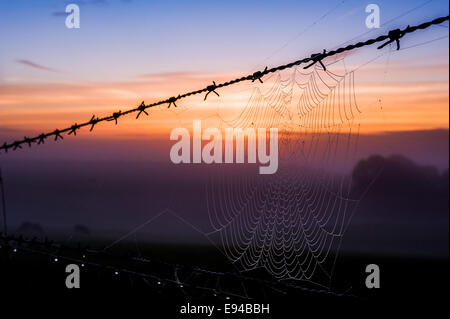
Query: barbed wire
(392, 36)
(84, 258)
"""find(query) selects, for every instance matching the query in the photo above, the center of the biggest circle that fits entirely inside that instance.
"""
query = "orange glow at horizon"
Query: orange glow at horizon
(398, 105)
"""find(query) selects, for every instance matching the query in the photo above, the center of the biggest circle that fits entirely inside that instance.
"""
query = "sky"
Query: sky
(130, 51)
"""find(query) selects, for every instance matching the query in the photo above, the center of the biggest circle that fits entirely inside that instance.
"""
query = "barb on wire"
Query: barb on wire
(41, 139)
(211, 88)
(392, 36)
(141, 109)
(172, 100)
(28, 141)
(258, 75)
(73, 129)
(317, 57)
(115, 116)
(17, 145)
(57, 134)
(92, 122)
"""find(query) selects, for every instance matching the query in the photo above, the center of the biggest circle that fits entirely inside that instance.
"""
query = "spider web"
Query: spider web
(289, 223)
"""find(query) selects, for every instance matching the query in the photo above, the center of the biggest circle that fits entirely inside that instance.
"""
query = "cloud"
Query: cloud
(351, 13)
(176, 76)
(59, 14)
(84, 3)
(94, 2)
(37, 66)
(153, 76)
